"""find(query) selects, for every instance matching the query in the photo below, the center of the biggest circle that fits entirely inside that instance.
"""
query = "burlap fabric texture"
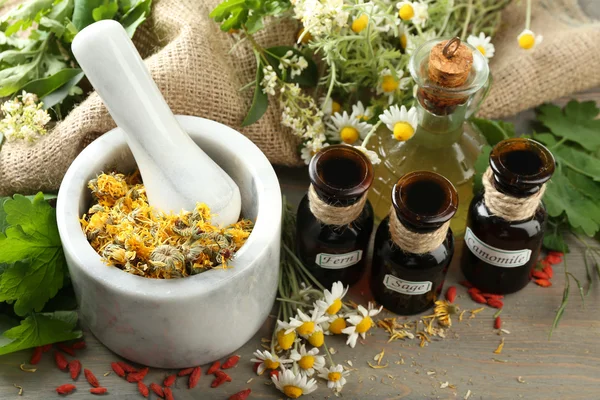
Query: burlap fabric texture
(191, 61)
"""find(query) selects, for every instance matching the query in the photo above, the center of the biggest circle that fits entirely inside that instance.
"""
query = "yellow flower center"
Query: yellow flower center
(335, 107)
(349, 134)
(293, 392)
(334, 376)
(271, 364)
(389, 83)
(285, 341)
(317, 339)
(406, 12)
(526, 41)
(306, 362)
(403, 41)
(362, 118)
(306, 328)
(337, 325)
(334, 307)
(403, 131)
(360, 23)
(364, 325)
(306, 38)
(481, 50)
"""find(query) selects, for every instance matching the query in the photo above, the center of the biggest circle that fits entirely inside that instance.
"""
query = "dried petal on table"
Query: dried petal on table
(500, 347)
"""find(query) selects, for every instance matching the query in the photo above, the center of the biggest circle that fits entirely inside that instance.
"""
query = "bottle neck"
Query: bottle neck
(441, 123)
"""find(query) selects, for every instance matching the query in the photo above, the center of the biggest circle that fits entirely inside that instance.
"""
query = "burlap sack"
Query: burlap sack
(191, 61)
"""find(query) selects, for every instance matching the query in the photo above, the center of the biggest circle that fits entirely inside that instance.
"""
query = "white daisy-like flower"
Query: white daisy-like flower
(483, 44)
(309, 149)
(336, 324)
(361, 323)
(389, 84)
(413, 11)
(330, 106)
(308, 361)
(268, 361)
(331, 303)
(401, 122)
(335, 377)
(360, 112)
(305, 325)
(294, 385)
(347, 129)
(529, 40)
(371, 155)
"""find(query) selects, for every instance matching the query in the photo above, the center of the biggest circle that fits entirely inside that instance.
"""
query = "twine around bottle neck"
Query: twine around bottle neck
(508, 207)
(413, 242)
(334, 215)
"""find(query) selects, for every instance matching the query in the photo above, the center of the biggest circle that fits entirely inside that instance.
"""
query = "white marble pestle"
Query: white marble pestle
(176, 172)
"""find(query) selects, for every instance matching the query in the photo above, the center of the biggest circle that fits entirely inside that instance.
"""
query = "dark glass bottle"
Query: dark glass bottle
(501, 251)
(341, 176)
(408, 277)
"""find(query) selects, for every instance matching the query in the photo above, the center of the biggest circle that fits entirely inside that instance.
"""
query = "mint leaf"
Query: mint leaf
(576, 123)
(108, 10)
(32, 248)
(40, 329)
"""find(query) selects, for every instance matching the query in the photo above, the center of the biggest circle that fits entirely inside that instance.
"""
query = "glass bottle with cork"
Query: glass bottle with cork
(335, 219)
(506, 222)
(452, 79)
(414, 245)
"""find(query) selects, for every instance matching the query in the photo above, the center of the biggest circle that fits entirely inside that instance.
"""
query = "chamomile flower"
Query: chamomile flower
(286, 336)
(482, 43)
(268, 361)
(335, 377)
(361, 323)
(312, 147)
(330, 106)
(308, 361)
(360, 112)
(331, 303)
(413, 11)
(401, 122)
(347, 129)
(360, 23)
(391, 84)
(528, 40)
(304, 325)
(294, 385)
(335, 325)
(371, 155)
(402, 36)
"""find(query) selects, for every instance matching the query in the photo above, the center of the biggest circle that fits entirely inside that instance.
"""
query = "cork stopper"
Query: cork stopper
(450, 64)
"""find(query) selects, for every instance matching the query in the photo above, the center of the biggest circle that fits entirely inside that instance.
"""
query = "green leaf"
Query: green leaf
(576, 122)
(579, 161)
(480, 166)
(108, 10)
(31, 245)
(136, 16)
(26, 12)
(309, 76)
(82, 12)
(11, 79)
(40, 329)
(231, 13)
(3, 222)
(494, 131)
(547, 139)
(584, 184)
(260, 102)
(554, 240)
(46, 86)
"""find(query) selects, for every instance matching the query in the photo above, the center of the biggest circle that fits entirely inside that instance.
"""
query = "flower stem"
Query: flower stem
(467, 20)
(331, 362)
(371, 133)
(528, 15)
(293, 301)
(299, 264)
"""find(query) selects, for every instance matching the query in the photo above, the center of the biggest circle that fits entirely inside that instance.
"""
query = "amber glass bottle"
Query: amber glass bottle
(414, 244)
(335, 219)
(506, 221)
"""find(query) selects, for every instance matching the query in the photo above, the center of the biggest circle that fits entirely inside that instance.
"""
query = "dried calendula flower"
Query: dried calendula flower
(443, 310)
(500, 347)
(129, 234)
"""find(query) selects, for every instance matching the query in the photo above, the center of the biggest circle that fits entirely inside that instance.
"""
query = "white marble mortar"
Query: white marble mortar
(179, 322)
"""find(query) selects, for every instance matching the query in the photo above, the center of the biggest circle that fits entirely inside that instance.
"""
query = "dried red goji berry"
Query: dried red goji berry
(65, 389)
(492, 296)
(451, 294)
(549, 271)
(91, 378)
(98, 390)
(495, 303)
(540, 275)
(155, 387)
(126, 367)
(66, 349)
(466, 284)
(195, 377)
(117, 368)
(168, 394)
(543, 282)
(74, 369)
(231, 362)
(214, 367)
(273, 372)
(78, 345)
(61, 361)
(243, 395)
(143, 389)
(185, 372)
(138, 376)
(478, 298)
(169, 380)
(223, 375)
(497, 323)
(46, 348)
(554, 257)
(36, 356)
(217, 382)
(473, 290)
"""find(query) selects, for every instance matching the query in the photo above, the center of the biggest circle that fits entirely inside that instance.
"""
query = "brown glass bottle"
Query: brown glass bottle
(407, 280)
(336, 250)
(500, 253)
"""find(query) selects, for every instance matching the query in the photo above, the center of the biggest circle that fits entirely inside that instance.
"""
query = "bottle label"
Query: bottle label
(493, 255)
(338, 261)
(406, 287)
